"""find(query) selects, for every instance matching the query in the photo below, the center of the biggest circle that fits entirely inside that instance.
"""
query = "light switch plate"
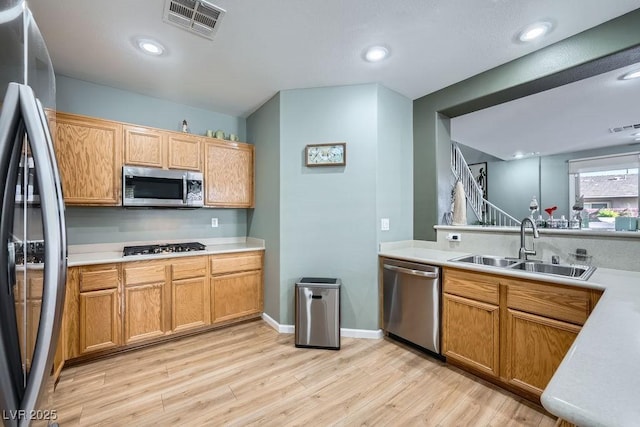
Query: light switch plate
(384, 224)
(214, 222)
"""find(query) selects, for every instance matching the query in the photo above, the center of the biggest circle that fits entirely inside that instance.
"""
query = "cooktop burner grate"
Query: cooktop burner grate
(163, 249)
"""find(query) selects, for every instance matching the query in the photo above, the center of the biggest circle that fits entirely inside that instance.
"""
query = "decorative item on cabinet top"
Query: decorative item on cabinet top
(219, 134)
(334, 154)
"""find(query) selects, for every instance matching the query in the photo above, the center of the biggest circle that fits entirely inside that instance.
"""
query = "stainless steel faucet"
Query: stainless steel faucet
(522, 254)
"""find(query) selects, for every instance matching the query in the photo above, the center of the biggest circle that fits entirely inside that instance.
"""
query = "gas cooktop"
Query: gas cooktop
(163, 249)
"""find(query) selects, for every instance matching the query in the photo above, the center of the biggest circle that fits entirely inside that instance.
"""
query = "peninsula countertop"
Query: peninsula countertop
(112, 252)
(598, 381)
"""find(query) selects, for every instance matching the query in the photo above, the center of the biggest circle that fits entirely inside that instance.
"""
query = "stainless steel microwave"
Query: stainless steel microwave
(161, 188)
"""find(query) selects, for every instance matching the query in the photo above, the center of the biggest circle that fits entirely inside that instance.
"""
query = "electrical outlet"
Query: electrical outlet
(214, 222)
(454, 237)
(384, 224)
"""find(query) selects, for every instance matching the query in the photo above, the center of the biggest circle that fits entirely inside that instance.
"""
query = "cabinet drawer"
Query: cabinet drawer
(188, 268)
(140, 274)
(228, 264)
(477, 286)
(554, 301)
(94, 279)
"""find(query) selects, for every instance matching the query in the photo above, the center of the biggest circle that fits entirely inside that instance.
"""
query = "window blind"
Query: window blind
(603, 163)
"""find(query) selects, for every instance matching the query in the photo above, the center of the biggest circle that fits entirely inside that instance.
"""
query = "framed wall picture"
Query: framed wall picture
(479, 171)
(334, 154)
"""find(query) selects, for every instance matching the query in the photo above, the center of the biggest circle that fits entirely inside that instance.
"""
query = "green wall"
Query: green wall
(540, 70)
(394, 180)
(328, 217)
(263, 222)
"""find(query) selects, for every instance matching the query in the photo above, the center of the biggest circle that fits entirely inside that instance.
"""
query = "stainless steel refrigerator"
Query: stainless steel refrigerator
(33, 252)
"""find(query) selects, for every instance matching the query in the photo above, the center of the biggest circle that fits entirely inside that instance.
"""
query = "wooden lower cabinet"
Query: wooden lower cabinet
(512, 331)
(112, 306)
(144, 312)
(191, 307)
(99, 320)
(535, 347)
(236, 295)
(28, 304)
(144, 300)
(471, 333)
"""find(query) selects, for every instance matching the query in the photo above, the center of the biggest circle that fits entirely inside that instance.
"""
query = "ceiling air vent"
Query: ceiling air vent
(623, 128)
(197, 16)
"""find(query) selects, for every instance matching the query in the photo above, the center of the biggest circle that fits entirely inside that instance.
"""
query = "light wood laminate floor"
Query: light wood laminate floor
(250, 375)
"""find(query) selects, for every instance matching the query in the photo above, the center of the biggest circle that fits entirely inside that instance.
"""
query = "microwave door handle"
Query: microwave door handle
(55, 256)
(184, 189)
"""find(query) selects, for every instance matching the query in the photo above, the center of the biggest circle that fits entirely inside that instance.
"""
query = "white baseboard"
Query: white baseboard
(362, 333)
(344, 332)
(283, 329)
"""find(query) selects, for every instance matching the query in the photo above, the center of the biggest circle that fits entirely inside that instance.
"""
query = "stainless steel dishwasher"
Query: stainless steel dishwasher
(411, 296)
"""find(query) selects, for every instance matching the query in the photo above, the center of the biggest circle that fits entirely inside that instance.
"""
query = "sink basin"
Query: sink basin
(487, 260)
(582, 272)
(575, 271)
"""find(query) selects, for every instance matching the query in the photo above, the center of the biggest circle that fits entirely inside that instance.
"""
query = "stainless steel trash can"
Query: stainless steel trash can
(317, 313)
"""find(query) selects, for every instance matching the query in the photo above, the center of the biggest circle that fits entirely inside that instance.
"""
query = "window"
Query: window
(609, 185)
(596, 205)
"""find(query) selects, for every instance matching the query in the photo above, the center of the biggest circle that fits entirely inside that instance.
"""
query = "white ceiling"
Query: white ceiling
(264, 46)
(572, 117)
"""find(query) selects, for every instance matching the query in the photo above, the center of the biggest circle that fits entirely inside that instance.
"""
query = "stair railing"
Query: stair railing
(486, 212)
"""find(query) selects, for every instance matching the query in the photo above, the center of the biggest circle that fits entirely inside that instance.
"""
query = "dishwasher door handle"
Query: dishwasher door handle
(410, 271)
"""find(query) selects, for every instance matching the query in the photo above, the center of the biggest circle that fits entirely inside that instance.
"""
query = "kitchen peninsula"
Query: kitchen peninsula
(596, 383)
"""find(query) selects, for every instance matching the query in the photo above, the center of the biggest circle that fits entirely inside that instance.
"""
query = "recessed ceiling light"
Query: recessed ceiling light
(521, 155)
(150, 47)
(631, 75)
(534, 31)
(376, 53)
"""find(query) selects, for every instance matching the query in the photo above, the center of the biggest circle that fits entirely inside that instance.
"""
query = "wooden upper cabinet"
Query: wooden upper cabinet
(184, 152)
(228, 174)
(144, 146)
(161, 149)
(89, 155)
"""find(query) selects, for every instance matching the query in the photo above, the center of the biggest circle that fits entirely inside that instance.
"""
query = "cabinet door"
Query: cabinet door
(99, 320)
(228, 173)
(535, 347)
(470, 333)
(89, 156)
(236, 295)
(190, 308)
(144, 147)
(184, 152)
(144, 312)
(58, 360)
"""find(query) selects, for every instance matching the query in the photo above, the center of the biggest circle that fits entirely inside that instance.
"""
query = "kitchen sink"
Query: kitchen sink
(487, 260)
(582, 272)
(575, 271)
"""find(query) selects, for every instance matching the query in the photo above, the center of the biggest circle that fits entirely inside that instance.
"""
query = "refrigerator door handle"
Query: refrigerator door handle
(11, 138)
(55, 256)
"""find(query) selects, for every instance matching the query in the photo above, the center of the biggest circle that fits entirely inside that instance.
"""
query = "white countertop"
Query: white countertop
(112, 252)
(598, 381)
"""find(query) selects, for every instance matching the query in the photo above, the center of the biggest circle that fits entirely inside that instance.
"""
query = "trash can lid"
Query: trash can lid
(322, 280)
